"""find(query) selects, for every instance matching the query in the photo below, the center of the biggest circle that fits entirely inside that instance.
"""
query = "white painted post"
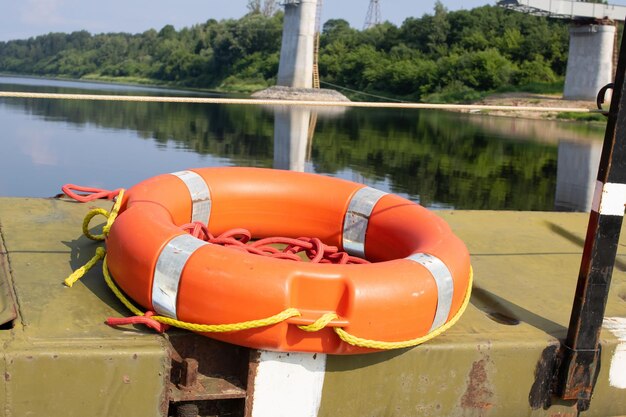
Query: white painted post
(288, 384)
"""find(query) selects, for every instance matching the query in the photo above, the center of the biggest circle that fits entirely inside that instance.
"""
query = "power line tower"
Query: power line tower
(373, 15)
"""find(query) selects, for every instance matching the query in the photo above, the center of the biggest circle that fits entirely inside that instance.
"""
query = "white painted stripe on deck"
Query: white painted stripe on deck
(609, 199)
(288, 384)
(617, 372)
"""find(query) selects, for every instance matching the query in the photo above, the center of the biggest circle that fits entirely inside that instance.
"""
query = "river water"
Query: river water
(439, 159)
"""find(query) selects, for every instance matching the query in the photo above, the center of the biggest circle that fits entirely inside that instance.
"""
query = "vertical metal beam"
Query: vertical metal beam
(581, 354)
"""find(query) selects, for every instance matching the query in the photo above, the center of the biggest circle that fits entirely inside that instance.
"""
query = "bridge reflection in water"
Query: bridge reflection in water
(294, 128)
(577, 169)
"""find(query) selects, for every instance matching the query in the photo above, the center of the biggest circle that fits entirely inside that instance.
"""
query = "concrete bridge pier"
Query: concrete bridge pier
(295, 68)
(590, 61)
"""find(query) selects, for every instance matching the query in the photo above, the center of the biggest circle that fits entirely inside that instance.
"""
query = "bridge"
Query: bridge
(592, 50)
(590, 65)
(565, 9)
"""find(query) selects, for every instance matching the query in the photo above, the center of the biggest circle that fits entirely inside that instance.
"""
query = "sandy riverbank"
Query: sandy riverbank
(533, 100)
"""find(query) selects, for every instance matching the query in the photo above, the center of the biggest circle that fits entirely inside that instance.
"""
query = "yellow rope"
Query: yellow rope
(100, 252)
(110, 216)
(221, 100)
(377, 344)
(319, 324)
(120, 296)
(201, 328)
(80, 272)
(93, 213)
(232, 327)
(292, 312)
(114, 212)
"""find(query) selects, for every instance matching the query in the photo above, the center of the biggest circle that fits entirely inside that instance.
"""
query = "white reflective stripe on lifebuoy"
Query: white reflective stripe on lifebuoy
(445, 285)
(357, 218)
(169, 268)
(200, 195)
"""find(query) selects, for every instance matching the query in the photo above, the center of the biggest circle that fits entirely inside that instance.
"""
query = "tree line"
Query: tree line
(442, 56)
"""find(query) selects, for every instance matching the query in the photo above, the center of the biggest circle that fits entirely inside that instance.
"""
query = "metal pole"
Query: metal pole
(581, 351)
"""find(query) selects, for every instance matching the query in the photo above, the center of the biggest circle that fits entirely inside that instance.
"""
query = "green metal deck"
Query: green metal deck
(60, 359)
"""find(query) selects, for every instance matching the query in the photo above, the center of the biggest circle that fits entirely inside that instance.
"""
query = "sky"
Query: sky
(22, 19)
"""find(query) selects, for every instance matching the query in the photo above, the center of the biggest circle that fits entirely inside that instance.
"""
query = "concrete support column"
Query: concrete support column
(590, 61)
(296, 53)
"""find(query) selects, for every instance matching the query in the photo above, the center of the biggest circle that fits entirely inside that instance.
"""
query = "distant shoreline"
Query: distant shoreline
(497, 99)
(155, 84)
(539, 100)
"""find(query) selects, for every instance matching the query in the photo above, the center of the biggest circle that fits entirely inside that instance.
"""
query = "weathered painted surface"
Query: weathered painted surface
(526, 266)
(617, 370)
(59, 359)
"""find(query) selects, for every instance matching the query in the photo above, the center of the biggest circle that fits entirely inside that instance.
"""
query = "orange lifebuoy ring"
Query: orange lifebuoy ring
(416, 283)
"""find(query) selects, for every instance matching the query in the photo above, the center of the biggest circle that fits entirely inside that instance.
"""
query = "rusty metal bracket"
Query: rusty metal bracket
(205, 376)
(580, 354)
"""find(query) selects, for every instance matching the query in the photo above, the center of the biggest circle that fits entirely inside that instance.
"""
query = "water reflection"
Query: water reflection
(579, 150)
(293, 131)
(436, 158)
(576, 174)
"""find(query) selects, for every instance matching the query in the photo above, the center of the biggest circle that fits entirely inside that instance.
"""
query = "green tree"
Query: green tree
(445, 54)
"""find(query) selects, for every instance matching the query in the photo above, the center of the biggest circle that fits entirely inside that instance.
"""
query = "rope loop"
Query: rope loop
(88, 193)
(110, 216)
(90, 215)
(100, 252)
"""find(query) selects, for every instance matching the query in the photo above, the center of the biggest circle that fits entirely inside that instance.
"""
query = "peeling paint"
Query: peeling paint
(541, 390)
(478, 394)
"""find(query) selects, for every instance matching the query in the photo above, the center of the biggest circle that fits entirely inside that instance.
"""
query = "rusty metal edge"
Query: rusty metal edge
(253, 365)
(167, 369)
(7, 292)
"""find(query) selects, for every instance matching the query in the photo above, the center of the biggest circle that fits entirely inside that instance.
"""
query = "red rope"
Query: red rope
(89, 193)
(240, 239)
(146, 320)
